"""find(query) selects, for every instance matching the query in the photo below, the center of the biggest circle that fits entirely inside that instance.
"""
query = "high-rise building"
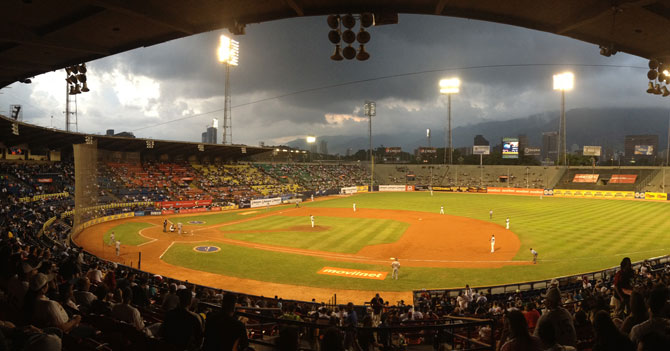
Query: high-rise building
(480, 140)
(209, 136)
(523, 141)
(323, 147)
(550, 146)
(640, 147)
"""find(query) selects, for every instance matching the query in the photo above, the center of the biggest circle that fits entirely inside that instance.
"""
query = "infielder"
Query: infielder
(493, 242)
(354, 207)
(112, 239)
(441, 209)
(311, 218)
(118, 248)
(490, 214)
(179, 226)
(395, 265)
(312, 197)
(507, 223)
(431, 191)
(534, 253)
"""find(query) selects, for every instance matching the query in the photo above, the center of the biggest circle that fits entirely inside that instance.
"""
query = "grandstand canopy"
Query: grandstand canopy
(53, 139)
(41, 36)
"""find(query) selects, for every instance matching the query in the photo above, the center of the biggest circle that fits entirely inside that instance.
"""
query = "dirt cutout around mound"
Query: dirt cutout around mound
(431, 240)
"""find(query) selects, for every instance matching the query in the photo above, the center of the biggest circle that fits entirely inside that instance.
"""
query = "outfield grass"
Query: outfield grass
(224, 217)
(343, 235)
(128, 233)
(572, 236)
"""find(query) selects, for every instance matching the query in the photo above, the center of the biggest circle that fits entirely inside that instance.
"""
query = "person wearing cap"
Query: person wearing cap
(118, 247)
(559, 317)
(534, 253)
(46, 312)
(112, 239)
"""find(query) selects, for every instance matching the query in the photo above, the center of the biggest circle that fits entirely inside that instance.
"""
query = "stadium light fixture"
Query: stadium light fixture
(449, 87)
(563, 82)
(229, 54)
(311, 139)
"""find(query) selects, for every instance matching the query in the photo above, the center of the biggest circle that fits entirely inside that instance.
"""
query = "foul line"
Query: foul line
(151, 239)
(166, 250)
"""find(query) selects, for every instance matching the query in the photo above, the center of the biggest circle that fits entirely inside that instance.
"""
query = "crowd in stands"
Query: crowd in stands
(318, 176)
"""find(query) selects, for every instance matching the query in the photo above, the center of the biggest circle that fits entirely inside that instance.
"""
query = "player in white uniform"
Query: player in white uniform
(179, 226)
(441, 209)
(507, 223)
(354, 207)
(118, 248)
(112, 239)
(534, 253)
(493, 242)
(312, 197)
(395, 265)
(311, 218)
(490, 214)
(431, 191)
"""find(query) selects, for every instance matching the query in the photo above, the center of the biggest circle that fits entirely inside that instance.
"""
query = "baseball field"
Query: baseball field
(277, 251)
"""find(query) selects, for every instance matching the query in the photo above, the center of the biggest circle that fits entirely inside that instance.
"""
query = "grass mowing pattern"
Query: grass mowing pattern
(572, 236)
(343, 235)
(223, 217)
(128, 233)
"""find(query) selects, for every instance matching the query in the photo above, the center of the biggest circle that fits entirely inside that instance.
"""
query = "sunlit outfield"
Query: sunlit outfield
(571, 235)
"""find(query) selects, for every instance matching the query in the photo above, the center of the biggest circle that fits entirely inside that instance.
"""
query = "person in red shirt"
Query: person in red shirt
(532, 315)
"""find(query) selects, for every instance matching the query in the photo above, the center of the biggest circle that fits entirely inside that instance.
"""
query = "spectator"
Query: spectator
(124, 312)
(559, 317)
(171, 300)
(83, 296)
(657, 322)
(607, 336)
(623, 285)
(517, 337)
(638, 312)
(532, 315)
(222, 330)
(181, 327)
(548, 338)
(46, 312)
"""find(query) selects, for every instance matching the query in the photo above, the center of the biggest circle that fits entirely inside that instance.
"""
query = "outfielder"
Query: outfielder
(507, 223)
(534, 253)
(441, 209)
(490, 214)
(311, 218)
(354, 207)
(493, 242)
(395, 265)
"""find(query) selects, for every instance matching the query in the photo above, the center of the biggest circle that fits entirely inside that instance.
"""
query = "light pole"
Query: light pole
(228, 52)
(448, 87)
(563, 81)
(370, 109)
(310, 141)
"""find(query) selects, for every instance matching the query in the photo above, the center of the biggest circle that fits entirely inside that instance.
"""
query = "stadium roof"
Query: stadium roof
(41, 36)
(53, 139)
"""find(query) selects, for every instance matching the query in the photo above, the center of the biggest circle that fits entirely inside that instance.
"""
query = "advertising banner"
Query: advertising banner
(532, 151)
(139, 213)
(600, 194)
(156, 213)
(45, 180)
(585, 178)
(592, 150)
(481, 150)
(646, 150)
(514, 191)
(510, 148)
(409, 188)
(178, 204)
(167, 212)
(265, 202)
(193, 210)
(656, 196)
(392, 188)
(349, 190)
(393, 150)
(623, 178)
(362, 189)
(453, 189)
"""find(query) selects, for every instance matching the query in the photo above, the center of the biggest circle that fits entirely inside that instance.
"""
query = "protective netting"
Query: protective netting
(85, 185)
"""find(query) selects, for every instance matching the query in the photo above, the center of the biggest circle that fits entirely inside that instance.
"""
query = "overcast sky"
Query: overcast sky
(137, 90)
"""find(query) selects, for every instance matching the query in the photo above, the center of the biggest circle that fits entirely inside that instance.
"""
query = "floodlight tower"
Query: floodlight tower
(228, 53)
(448, 87)
(563, 81)
(370, 109)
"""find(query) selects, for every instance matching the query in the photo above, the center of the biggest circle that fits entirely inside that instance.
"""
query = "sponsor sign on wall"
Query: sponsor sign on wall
(515, 191)
(592, 150)
(265, 202)
(656, 196)
(646, 150)
(178, 204)
(532, 151)
(193, 210)
(481, 150)
(392, 188)
(349, 190)
(595, 194)
(585, 178)
(623, 178)
(156, 213)
(362, 188)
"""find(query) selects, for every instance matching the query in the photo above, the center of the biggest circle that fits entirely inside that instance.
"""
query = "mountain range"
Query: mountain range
(605, 127)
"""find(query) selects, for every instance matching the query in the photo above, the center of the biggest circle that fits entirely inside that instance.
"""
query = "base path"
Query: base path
(431, 240)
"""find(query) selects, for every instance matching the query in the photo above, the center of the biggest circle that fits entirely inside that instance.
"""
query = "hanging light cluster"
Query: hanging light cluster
(76, 79)
(342, 30)
(658, 71)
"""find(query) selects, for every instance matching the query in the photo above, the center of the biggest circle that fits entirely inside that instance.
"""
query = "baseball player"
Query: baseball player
(312, 197)
(164, 225)
(395, 265)
(179, 226)
(112, 239)
(507, 223)
(493, 242)
(534, 253)
(431, 191)
(441, 209)
(311, 218)
(118, 248)
(354, 207)
(490, 214)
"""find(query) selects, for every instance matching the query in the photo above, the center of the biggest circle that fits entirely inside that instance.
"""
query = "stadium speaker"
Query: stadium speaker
(81, 77)
(650, 88)
(71, 79)
(337, 56)
(653, 64)
(363, 36)
(84, 88)
(349, 52)
(333, 21)
(74, 69)
(665, 91)
(652, 74)
(68, 71)
(362, 54)
(367, 19)
(82, 68)
(348, 36)
(334, 36)
(657, 89)
(75, 90)
(348, 21)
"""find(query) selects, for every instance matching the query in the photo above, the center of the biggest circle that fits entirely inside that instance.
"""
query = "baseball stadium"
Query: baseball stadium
(140, 243)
